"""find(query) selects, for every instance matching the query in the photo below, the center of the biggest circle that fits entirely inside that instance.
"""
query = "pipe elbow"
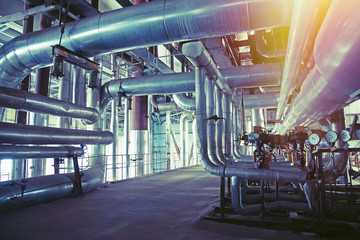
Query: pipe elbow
(93, 117)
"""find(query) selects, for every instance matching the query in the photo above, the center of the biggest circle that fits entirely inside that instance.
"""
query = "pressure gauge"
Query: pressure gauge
(331, 136)
(314, 139)
(357, 133)
(344, 135)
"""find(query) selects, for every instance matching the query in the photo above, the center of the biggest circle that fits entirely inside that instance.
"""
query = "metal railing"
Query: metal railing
(120, 167)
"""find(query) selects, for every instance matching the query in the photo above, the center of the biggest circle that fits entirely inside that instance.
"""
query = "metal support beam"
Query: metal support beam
(28, 12)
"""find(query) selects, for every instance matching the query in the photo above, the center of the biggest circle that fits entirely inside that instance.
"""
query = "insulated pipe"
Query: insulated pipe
(184, 101)
(229, 171)
(79, 86)
(167, 106)
(219, 125)
(161, 84)
(237, 202)
(47, 188)
(196, 53)
(235, 133)
(148, 24)
(114, 123)
(183, 121)
(228, 126)
(23, 152)
(257, 118)
(333, 82)
(27, 101)
(209, 89)
(266, 75)
(301, 21)
(254, 101)
(25, 134)
(127, 137)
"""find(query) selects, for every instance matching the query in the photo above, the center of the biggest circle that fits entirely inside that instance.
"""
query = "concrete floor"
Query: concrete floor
(162, 206)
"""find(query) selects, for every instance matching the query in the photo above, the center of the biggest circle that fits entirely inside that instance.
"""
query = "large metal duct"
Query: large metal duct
(23, 152)
(184, 101)
(147, 24)
(229, 171)
(302, 19)
(25, 134)
(334, 81)
(27, 101)
(252, 75)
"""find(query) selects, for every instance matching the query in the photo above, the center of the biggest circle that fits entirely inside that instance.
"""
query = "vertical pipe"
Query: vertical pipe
(42, 88)
(195, 148)
(168, 149)
(186, 143)
(79, 87)
(149, 151)
(126, 137)
(219, 125)
(228, 122)
(65, 89)
(114, 129)
(96, 152)
(209, 89)
(20, 164)
(257, 118)
(139, 128)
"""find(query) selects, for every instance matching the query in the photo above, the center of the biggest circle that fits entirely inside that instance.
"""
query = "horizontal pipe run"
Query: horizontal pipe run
(266, 174)
(24, 152)
(25, 134)
(255, 101)
(160, 84)
(167, 106)
(27, 101)
(143, 25)
(265, 75)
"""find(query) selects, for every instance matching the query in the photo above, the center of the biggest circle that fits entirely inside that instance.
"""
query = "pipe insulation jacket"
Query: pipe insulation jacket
(23, 152)
(25, 134)
(143, 25)
(27, 101)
